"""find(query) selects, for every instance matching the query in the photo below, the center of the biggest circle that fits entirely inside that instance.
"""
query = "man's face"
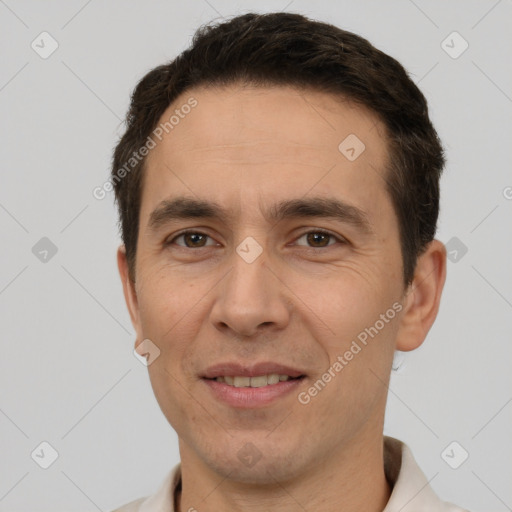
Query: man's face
(274, 286)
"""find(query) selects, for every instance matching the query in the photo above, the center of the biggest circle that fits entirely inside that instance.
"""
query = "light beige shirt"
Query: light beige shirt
(411, 490)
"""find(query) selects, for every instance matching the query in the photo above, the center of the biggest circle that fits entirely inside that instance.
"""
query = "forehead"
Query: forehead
(266, 141)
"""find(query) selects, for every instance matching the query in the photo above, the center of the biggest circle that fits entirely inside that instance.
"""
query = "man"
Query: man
(278, 191)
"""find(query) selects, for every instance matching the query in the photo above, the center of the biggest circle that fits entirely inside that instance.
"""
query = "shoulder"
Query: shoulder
(411, 491)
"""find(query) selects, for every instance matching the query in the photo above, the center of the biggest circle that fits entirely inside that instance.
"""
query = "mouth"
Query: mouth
(258, 381)
(253, 386)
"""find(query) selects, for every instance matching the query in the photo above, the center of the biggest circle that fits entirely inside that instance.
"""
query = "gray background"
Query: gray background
(67, 372)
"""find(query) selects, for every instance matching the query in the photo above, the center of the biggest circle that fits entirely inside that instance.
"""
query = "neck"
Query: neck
(352, 479)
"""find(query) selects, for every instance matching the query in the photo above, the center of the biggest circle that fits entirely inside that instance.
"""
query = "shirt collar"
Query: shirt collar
(411, 489)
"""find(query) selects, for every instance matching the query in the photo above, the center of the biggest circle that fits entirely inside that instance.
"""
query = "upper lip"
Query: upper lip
(252, 370)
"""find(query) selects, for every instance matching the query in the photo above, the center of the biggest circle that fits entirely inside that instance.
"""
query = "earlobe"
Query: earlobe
(130, 294)
(421, 302)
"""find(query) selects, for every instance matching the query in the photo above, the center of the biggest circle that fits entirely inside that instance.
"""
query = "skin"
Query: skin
(300, 303)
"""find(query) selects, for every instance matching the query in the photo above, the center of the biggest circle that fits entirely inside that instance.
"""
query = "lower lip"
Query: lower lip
(247, 398)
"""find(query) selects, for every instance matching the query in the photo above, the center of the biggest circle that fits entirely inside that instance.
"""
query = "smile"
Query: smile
(253, 382)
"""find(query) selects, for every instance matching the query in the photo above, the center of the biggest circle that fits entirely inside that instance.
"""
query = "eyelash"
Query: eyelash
(315, 231)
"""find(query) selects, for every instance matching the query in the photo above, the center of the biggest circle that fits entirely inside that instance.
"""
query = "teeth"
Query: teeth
(242, 382)
(259, 382)
(273, 378)
(253, 382)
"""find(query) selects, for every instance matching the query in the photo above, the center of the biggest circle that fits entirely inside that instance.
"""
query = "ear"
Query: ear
(130, 294)
(423, 297)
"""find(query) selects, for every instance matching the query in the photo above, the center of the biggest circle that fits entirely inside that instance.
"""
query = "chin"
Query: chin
(262, 465)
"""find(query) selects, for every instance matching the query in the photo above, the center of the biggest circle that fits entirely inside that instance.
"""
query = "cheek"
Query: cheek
(169, 309)
(173, 309)
(359, 324)
(164, 296)
(164, 306)
(360, 356)
(349, 303)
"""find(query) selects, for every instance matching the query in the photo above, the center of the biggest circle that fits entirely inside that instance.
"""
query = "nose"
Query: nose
(251, 300)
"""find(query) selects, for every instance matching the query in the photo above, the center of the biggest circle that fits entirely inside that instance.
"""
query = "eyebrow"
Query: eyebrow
(182, 207)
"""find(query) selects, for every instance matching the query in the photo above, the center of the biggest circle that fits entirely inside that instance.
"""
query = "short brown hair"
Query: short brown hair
(290, 49)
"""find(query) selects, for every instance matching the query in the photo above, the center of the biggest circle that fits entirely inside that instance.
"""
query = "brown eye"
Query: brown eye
(318, 239)
(194, 239)
(191, 240)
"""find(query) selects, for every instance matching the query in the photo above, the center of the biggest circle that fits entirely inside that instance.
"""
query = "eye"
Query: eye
(319, 238)
(191, 240)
